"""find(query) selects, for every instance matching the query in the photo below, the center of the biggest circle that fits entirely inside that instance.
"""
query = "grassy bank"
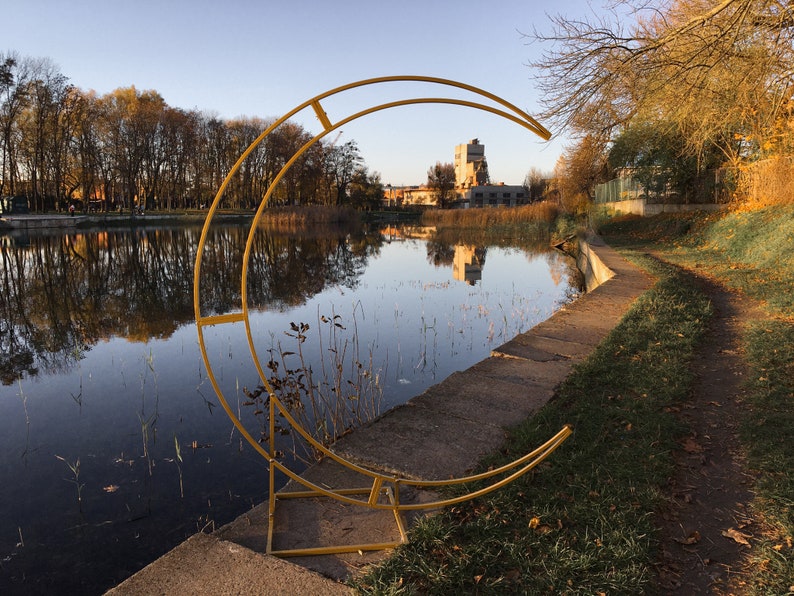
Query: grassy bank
(583, 523)
(751, 252)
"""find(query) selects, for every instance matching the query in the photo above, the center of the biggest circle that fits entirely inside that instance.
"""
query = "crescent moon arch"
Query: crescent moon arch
(383, 492)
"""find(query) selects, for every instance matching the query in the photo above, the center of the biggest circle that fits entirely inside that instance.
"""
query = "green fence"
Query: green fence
(619, 189)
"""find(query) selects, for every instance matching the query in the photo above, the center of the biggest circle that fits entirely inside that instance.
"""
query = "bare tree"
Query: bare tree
(717, 70)
(441, 181)
(536, 183)
(341, 163)
(13, 100)
(577, 171)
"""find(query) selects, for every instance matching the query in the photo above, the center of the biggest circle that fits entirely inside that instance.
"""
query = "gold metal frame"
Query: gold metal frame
(386, 485)
(382, 486)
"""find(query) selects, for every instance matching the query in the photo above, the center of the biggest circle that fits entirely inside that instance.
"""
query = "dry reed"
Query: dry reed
(543, 212)
(291, 217)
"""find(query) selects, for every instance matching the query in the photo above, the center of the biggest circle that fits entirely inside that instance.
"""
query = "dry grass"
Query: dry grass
(545, 211)
(291, 217)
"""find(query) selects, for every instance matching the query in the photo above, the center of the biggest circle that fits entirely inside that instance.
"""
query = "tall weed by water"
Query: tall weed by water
(298, 217)
(74, 467)
(343, 393)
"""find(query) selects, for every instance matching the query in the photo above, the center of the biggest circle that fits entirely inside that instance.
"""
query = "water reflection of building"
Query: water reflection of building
(405, 232)
(467, 265)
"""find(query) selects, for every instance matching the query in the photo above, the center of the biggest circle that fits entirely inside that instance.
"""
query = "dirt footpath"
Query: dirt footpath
(707, 530)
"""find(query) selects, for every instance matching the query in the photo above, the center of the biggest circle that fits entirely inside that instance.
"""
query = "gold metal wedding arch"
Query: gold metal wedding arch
(382, 491)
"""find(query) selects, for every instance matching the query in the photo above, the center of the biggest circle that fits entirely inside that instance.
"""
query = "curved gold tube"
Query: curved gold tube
(381, 485)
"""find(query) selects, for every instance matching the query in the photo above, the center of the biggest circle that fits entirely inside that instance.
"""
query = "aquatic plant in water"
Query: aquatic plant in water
(75, 468)
(343, 394)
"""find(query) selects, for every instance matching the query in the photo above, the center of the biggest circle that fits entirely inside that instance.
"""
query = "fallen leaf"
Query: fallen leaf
(690, 446)
(533, 523)
(693, 538)
(736, 536)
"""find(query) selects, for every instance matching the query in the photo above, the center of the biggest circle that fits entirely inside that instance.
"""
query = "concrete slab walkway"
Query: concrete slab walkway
(441, 433)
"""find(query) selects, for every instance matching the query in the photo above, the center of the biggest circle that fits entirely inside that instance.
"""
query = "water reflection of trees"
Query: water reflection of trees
(304, 267)
(439, 253)
(62, 294)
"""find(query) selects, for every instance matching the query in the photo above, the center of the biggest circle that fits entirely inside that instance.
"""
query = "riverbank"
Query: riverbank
(31, 222)
(420, 439)
(286, 216)
(678, 478)
(740, 415)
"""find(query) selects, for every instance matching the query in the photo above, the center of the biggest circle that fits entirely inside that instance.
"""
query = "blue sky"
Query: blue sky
(263, 58)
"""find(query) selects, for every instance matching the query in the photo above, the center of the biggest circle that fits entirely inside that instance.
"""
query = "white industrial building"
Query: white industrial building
(473, 186)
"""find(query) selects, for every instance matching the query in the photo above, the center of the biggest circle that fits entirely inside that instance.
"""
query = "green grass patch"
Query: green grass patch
(749, 251)
(583, 522)
(768, 435)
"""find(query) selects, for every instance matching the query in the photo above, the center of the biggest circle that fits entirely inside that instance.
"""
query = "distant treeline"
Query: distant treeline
(60, 145)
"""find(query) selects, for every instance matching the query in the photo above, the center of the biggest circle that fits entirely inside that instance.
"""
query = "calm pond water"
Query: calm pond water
(112, 446)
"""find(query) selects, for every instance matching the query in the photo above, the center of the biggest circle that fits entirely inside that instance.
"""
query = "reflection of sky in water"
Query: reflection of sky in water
(418, 322)
(126, 404)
